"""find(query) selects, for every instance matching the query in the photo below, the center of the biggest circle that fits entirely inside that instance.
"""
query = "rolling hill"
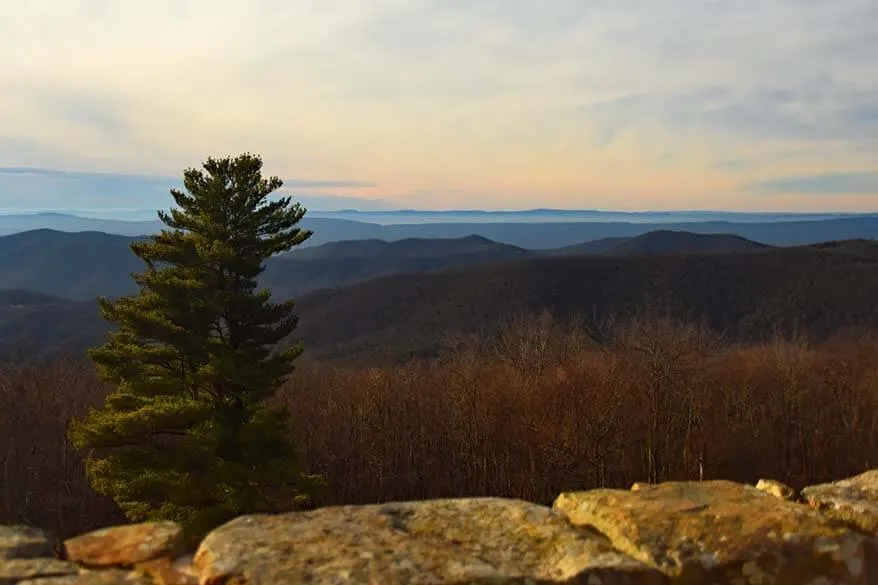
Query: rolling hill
(65, 222)
(792, 230)
(599, 246)
(21, 299)
(680, 242)
(344, 263)
(819, 289)
(84, 265)
(75, 266)
(406, 248)
(326, 229)
(38, 324)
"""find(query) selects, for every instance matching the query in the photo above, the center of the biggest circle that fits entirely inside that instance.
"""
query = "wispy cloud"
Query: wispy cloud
(32, 187)
(76, 175)
(863, 183)
(316, 184)
(506, 103)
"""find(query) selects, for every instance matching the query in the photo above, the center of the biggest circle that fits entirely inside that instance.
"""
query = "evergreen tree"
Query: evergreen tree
(189, 433)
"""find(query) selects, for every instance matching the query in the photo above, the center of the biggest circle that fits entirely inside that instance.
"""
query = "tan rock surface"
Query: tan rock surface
(164, 571)
(106, 577)
(720, 532)
(776, 489)
(23, 542)
(853, 500)
(125, 546)
(483, 540)
(16, 570)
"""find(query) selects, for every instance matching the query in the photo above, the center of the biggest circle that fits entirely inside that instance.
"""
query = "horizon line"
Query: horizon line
(78, 212)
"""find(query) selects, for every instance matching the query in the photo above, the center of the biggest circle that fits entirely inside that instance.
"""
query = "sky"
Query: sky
(764, 105)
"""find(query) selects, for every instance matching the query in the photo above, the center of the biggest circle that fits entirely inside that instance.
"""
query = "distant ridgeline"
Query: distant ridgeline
(538, 231)
(400, 298)
(688, 533)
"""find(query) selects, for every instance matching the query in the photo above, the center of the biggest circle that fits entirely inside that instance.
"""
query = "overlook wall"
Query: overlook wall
(712, 532)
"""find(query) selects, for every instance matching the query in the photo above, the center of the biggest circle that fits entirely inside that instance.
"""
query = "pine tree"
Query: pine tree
(189, 433)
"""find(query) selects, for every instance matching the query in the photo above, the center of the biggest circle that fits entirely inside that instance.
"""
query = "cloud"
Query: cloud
(312, 184)
(316, 202)
(159, 180)
(509, 101)
(35, 188)
(855, 183)
(74, 175)
(817, 112)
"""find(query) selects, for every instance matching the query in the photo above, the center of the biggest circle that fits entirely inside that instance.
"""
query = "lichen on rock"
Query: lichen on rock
(23, 542)
(13, 571)
(125, 546)
(853, 500)
(722, 532)
(105, 577)
(482, 540)
(674, 533)
(777, 489)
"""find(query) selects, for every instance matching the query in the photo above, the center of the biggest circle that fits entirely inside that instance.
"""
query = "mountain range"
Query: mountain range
(85, 265)
(542, 233)
(371, 299)
(816, 290)
(664, 242)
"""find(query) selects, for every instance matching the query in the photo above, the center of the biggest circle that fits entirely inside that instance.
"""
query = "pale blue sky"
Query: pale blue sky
(608, 104)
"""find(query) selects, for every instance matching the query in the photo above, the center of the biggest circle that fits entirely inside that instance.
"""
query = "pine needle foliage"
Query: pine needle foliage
(190, 433)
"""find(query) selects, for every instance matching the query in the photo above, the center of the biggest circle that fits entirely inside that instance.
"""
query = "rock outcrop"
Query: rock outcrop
(776, 489)
(23, 542)
(126, 546)
(720, 532)
(711, 532)
(443, 541)
(853, 500)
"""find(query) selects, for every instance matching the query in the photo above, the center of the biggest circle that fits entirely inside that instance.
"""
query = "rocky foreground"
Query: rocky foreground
(712, 532)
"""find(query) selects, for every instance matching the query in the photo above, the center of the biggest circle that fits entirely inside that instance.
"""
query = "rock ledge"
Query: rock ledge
(711, 532)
